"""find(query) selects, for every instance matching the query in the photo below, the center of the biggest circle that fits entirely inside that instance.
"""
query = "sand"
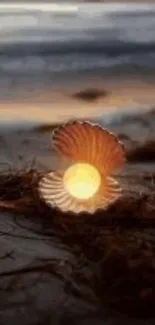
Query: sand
(30, 242)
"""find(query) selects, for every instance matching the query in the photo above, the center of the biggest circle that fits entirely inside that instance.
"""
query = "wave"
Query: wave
(107, 58)
(93, 37)
(110, 48)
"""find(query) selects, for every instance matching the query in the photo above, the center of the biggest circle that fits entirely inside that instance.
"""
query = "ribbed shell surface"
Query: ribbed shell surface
(52, 190)
(90, 143)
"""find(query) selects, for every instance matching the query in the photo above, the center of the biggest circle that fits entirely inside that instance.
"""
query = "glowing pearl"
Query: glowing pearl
(82, 181)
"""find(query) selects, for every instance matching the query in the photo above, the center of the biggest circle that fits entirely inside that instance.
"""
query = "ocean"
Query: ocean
(83, 37)
(47, 48)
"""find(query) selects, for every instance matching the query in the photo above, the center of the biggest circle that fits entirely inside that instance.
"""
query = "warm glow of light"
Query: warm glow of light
(82, 181)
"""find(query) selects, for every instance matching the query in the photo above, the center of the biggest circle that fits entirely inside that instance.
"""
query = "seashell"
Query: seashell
(88, 142)
(85, 186)
(53, 191)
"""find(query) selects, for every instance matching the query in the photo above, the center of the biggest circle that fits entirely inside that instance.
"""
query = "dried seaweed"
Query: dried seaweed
(114, 250)
(143, 153)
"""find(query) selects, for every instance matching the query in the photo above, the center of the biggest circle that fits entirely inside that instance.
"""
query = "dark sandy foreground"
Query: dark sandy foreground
(58, 269)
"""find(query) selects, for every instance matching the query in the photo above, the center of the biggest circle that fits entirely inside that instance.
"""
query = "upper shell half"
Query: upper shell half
(87, 142)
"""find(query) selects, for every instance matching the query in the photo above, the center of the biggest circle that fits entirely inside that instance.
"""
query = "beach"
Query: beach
(88, 63)
(33, 250)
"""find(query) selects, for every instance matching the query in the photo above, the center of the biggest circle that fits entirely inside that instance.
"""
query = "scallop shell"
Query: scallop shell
(52, 190)
(88, 142)
(84, 142)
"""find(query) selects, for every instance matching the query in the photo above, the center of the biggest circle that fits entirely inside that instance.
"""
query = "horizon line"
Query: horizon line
(73, 6)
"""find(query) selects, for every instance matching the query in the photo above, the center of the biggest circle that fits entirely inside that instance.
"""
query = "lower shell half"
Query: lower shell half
(53, 192)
